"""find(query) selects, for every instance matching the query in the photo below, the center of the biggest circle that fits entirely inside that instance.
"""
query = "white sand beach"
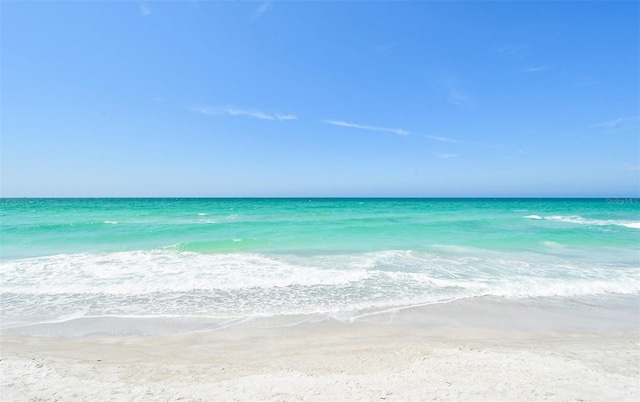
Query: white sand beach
(328, 361)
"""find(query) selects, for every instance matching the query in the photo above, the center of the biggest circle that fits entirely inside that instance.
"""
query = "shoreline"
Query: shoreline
(463, 353)
(582, 313)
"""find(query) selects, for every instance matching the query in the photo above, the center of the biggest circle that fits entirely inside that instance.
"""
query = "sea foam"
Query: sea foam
(142, 283)
(577, 219)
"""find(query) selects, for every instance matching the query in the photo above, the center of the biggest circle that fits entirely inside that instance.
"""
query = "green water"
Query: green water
(57, 226)
(233, 259)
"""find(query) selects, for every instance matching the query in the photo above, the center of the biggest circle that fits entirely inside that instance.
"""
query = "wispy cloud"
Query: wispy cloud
(516, 51)
(447, 156)
(536, 69)
(260, 10)
(444, 139)
(386, 46)
(452, 88)
(451, 140)
(457, 97)
(585, 80)
(233, 111)
(286, 117)
(398, 131)
(144, 9)
(615, 123)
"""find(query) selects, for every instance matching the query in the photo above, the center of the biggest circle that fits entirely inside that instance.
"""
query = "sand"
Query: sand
(486, 349)
(326, 361)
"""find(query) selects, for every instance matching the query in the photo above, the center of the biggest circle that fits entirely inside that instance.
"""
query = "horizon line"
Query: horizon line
(635, 197)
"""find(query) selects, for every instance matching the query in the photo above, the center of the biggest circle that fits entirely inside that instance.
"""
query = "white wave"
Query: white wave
(165, 282)
(553, 244)
(583, 221)
(111, 222)
(597, 222)
(462, 250)
(145, 272)
(207, 221)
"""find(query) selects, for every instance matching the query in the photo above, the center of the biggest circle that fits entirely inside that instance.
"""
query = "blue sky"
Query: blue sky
(203, 98)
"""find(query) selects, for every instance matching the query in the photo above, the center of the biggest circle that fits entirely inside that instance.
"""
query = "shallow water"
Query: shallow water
(214, 263)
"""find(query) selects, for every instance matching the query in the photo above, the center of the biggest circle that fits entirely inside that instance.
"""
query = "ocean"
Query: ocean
(73, 267)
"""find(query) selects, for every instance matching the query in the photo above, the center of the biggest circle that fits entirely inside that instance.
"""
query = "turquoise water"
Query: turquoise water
(240, 258)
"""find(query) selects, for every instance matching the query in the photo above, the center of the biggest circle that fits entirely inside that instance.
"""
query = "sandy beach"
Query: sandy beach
(330, 360)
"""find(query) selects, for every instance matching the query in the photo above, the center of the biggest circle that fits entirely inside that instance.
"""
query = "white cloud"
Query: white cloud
(398, 131)
(144, 9)
(517, 51)
(286, 117)
(615, 123)
(446, 156)
(451, 140)
(452, 89)
(385, 47)
(261, 10)
(444, 139)
(233, 111)
(536, 69)
(457, 97)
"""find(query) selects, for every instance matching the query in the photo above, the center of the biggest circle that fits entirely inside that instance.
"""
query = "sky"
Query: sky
(320, 99)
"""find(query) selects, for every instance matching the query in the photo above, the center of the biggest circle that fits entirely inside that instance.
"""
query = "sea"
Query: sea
(158, 266)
